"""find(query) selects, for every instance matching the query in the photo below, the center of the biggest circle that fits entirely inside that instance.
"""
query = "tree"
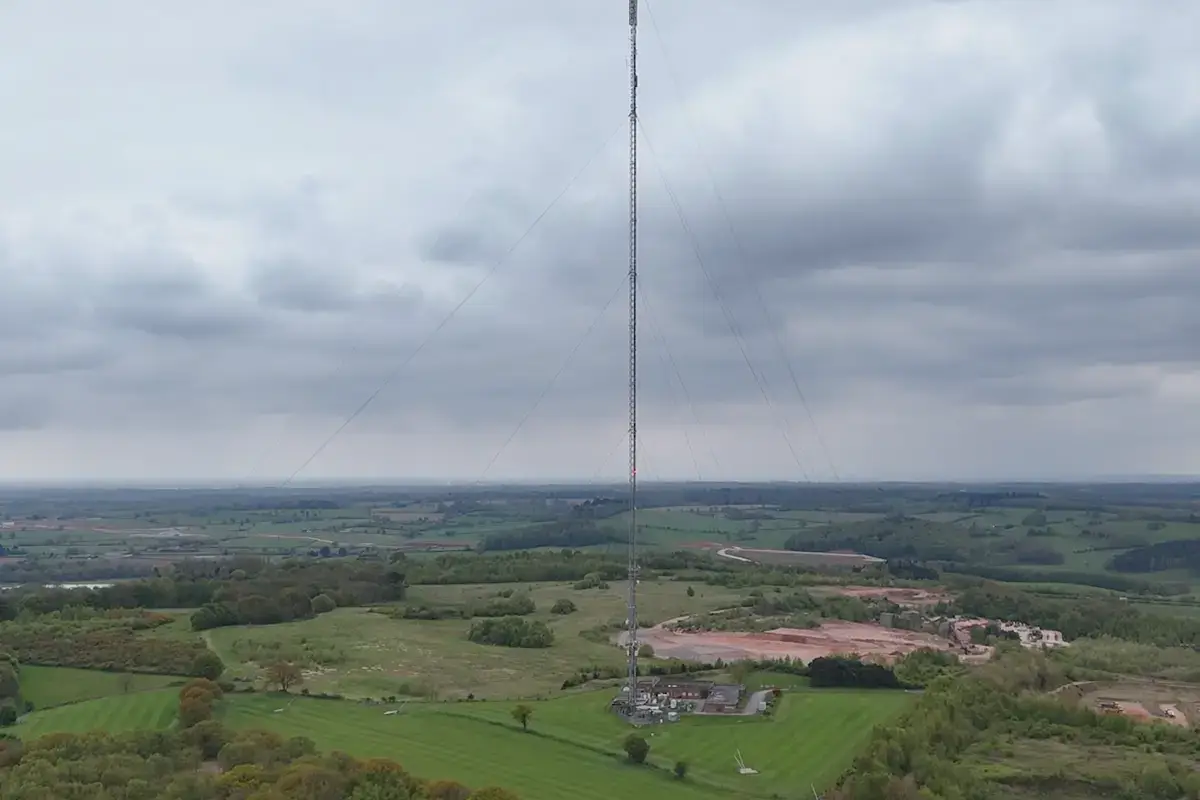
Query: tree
(691, 592)
(193, 710)
(521, 714)
(563, 606)
(636, 748)
(9, 685)
(681, 769)
(646, 651)
(284, 674)
(208, 665)
(322, 604)
(492, 793)
(8, 716)
(446, 790)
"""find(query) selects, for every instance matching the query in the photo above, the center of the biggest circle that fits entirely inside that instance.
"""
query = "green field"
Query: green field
(152, 710)
(812, 739)
(46, 687)
(359, 653)
(436, 741)
(574, 749)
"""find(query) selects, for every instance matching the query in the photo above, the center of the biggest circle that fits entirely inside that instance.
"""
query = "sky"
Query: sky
(368, 239)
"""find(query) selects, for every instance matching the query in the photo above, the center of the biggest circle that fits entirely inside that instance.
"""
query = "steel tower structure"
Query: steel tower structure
(632, 620)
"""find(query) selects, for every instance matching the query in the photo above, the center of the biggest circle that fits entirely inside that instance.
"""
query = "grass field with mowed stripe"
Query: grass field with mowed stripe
(432, 743)
(812, 739)
(143, 711)
(46, 687)
(573, 748)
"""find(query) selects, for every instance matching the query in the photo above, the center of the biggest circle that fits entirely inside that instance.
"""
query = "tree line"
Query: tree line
(110, 640)
(11, 704)
(229, 592)
(961, 723)
(247, 590)
(1173, 554)
(167, 765)
(1078, 617)
(559, 533)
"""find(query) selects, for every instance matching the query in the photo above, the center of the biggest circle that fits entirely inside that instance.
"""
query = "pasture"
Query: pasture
(143, 711)
(438, 740)
(574, 745)
(46, 687)
(811, 739)
(363, 653)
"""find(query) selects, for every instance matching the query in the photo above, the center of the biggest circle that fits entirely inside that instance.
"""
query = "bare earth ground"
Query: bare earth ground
(1149, 700)
(829, 639)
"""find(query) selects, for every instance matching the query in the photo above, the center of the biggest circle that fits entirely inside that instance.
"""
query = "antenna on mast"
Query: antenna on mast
(632, 621)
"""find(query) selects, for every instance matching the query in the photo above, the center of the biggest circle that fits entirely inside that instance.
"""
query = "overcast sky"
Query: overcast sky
(969, 230)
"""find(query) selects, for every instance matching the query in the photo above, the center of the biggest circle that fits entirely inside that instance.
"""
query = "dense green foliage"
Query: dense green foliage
(929, 754)
(511, 605)
(511, 632)
(850, 672)
(560, 533)
(10, 689)
(112, 640)
(236, 591)
(171, 766)
(893, 537)
(905, 540)
(1080, 617)
(197, 699)
(1119, 583)
(266, 594)
(1175, 554)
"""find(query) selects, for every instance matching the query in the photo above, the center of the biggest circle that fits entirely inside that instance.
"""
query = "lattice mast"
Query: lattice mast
(632, 620)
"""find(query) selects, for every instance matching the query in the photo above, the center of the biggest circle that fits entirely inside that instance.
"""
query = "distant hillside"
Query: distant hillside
(891, 537)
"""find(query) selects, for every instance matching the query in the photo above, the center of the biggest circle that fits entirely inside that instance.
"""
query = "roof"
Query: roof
(725, 693)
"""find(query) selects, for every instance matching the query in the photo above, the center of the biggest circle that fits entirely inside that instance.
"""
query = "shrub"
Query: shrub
(207, 665)
(636, 748)
(511, 632)
(323, 604)
(563, 606)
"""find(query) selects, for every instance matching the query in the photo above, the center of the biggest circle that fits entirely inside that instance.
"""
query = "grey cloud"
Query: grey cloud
(1007, 228)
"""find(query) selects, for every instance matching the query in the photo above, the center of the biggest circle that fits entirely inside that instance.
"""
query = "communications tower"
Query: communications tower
(631, 678)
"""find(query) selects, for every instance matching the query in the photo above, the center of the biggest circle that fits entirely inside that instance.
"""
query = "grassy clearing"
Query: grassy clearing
(152, 710)
(428, 740)
(811, 740)
(358, 653)
(46, 687)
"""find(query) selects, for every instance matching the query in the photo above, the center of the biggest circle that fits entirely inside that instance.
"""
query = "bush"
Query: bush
(636, 748)
(207, 665)
(323, 604)
(563, 606)
(511, 632)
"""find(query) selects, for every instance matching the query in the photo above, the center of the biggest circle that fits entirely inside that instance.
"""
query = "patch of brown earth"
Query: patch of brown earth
(1173, 715)
(867, 640)
(1135, 710)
